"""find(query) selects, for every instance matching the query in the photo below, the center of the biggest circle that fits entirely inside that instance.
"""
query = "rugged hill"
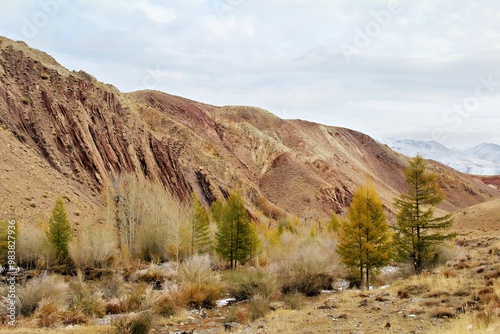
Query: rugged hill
(65, 133)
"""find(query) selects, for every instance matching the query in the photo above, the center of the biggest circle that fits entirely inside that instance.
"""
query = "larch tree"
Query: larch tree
(236, 240)
(60, 233)
(418, 232)
(200, 228)
(364, 236)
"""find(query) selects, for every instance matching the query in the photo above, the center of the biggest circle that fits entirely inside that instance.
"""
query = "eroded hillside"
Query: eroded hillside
(66, 133)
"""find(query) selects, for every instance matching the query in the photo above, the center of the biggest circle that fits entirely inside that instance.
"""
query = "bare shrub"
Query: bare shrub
(153, 224)
(94, 248)
(33, 249)
(308, 271)
(243, 284)
(52, 288)
(195, 295)
(444, 253)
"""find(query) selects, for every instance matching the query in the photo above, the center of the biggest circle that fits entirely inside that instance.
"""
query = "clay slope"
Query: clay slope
(479, 219)
(66, 133)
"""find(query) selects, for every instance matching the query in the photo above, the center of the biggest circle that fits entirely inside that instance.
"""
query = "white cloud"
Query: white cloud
(286, 56)
(158, 13)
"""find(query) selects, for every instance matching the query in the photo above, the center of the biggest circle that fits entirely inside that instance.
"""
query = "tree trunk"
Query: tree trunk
(361, 276)
(367, 278)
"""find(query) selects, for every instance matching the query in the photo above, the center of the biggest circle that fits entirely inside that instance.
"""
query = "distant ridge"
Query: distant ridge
(483, 159)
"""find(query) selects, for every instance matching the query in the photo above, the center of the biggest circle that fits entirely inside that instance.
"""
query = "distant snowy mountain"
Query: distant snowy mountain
(483, 159)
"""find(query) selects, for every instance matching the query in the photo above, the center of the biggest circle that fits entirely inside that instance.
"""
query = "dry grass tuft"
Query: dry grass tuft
(294, 301)
(238, 314)
(200, 286)
(404, 294)
(141, 323)
(442, 312)
(48, 314)
(85, 299)
(165, 306)
(258, 307)
(245, 283)
(49, 288)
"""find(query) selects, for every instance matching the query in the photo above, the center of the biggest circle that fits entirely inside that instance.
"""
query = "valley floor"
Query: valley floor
(462, 296)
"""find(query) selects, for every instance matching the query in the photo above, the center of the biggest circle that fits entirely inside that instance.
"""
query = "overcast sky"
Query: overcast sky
(424, 69)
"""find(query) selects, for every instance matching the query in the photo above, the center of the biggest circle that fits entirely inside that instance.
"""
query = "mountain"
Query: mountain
(483, 159)
(64, 133)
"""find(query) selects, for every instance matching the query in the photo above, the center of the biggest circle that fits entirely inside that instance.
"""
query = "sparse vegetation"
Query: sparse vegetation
(171, 277)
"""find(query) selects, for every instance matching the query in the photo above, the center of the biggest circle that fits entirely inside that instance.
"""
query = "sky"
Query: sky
(426, 69)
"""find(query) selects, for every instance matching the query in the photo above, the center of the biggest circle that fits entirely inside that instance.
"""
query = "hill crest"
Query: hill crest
(77, 134)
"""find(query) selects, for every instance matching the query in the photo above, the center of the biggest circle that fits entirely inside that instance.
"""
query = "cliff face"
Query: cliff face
(66, 133)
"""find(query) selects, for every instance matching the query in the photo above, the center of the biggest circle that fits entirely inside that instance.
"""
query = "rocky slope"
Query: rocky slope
(66, 133)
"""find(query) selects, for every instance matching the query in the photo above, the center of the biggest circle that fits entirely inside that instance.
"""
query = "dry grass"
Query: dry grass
(141, 323)
(258, 307)
(165, 306)
(200, 285)
(85, 299)
(245, 283)
(442, 312)
(468, 323)
(50, 289)
(432, 285)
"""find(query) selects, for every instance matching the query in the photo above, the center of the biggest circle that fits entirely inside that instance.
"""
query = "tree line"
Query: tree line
(150, 224)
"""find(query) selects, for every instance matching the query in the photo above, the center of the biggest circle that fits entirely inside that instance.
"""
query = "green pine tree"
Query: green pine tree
(200, 228)
(418, 231)
(59, 233)
(365, 240)
(235, 241)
